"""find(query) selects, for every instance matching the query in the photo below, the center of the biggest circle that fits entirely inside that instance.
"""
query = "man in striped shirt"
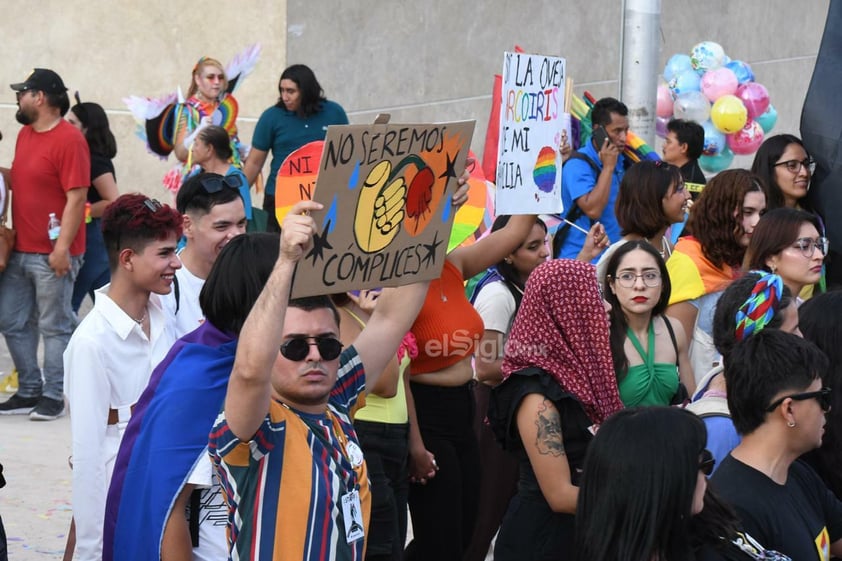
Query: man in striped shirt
(284, 446)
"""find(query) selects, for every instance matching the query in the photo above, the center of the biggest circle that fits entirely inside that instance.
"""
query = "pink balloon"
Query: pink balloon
(719, 82)
(755, 97)
(746, 140)
(664, 104)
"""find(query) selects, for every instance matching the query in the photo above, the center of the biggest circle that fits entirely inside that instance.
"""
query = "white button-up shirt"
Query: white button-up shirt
(107, 365)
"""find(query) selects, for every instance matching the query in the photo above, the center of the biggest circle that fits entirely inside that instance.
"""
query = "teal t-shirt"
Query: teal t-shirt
(281, 132)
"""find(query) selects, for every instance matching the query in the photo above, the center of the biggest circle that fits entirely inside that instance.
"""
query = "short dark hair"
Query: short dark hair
(764, 166)
(310, 303)
(690, 133)
(730, 301)
(639, 208)
(58, 100)
(129, 223)
(193, 197)
(97, 130)
(618, 318)
(637, 487)
(765, 365)
(312, 95)
(776, 231)
(217, 138)
(712, 219)
(602, 109)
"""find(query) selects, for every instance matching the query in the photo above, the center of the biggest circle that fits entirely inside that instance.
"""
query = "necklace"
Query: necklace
(141, 320)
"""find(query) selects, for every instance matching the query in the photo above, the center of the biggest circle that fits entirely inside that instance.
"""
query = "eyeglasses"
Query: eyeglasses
(794, 166)
(809, 245)
(822, 396)
(153, 205)
(25, 91)
(706, 462)
(212, 77)
(628, 279)
(214, 184)
(297, 348)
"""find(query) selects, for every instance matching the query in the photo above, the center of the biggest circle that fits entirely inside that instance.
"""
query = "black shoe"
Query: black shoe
(47, 410)
(17, 405)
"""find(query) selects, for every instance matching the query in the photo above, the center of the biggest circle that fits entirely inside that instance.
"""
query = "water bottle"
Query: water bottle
(53, 228)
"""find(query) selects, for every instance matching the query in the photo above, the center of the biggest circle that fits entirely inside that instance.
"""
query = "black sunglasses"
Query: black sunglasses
(706, 462)
(153, 205)
(822, 396)
(214, 184)
(297, 348)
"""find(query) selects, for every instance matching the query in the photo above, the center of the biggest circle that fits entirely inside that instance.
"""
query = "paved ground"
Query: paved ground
(35, 503)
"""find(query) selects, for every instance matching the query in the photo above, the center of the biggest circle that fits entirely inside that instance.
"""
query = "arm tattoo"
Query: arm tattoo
(548, 439)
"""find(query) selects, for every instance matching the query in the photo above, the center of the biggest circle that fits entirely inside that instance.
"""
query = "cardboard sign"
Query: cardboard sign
(387, 214)
(531, 121)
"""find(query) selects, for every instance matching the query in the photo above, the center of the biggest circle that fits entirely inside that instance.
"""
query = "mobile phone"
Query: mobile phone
(599, 137)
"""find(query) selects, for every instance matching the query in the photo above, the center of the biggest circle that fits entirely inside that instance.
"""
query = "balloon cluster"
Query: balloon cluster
(720, 94)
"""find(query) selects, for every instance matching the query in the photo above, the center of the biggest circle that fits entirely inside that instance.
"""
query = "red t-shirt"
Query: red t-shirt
(46, 166)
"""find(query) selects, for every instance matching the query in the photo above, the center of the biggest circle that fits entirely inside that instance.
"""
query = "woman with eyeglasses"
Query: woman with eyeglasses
(558, 387)
(212, 151)
(644, 494)
(785, 167)
(649, 349)
(787, 242)
(778, 405)
(708, 259)
(652, 197)
(819, 322)
(91, 120)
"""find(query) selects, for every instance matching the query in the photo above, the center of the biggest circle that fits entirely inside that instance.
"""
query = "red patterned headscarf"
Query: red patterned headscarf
(561, 327)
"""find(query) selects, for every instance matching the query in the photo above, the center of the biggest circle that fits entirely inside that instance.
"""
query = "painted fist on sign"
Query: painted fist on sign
(380, 208)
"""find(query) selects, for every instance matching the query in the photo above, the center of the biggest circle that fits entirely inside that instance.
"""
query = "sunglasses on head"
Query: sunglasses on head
(822, 396)
(706, 462)
(215, 183)
(297, 348)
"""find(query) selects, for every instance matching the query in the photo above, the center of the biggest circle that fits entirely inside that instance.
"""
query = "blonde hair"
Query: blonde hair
(199, 67)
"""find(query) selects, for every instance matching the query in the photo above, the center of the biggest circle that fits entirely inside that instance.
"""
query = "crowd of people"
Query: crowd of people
(570, 407)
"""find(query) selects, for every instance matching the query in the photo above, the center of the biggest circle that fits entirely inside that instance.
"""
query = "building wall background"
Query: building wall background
(427, 60)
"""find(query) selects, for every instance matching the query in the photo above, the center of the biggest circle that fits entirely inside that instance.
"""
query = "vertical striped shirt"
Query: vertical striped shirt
(285, 486)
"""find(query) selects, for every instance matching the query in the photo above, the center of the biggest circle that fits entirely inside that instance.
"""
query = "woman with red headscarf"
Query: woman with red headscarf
(559, 385)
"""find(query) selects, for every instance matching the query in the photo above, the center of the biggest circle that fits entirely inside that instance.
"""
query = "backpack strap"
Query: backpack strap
(574, 213)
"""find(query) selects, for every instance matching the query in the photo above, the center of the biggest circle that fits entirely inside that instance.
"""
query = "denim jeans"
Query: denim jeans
(35, 303)
(95, 272)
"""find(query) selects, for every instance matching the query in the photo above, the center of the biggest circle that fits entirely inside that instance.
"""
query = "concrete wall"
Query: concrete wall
(434, 59)
(427, 60)
(111, 49)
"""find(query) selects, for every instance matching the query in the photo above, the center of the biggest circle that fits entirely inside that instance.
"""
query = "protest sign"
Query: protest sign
(387, 213)
(531, 121)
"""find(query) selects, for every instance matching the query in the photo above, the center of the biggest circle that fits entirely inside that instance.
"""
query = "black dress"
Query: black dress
(530, 529)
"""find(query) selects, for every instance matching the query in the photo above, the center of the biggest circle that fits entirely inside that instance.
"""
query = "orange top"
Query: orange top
(448, 327)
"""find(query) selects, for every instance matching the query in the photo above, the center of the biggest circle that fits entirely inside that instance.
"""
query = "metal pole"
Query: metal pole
(639, 72)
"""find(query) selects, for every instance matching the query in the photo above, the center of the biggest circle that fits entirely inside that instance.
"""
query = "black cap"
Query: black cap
(42, 79)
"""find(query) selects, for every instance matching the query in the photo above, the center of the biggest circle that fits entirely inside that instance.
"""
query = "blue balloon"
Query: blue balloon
(717, 163)
(715, 140)
(687, 81)
(768, 119)
(741, 70)
(676, 65)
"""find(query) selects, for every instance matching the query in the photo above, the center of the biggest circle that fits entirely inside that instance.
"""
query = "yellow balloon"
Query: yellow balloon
(728, 114)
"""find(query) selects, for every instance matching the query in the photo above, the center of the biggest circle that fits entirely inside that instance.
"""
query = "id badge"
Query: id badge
(352, 514)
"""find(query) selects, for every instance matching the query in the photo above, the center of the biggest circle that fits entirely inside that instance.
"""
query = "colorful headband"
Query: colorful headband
(198, 64)
(759, 309)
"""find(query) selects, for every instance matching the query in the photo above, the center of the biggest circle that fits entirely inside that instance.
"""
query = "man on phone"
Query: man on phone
(591, 178)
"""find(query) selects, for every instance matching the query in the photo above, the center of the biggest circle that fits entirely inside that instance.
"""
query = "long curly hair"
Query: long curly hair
(715, 219)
